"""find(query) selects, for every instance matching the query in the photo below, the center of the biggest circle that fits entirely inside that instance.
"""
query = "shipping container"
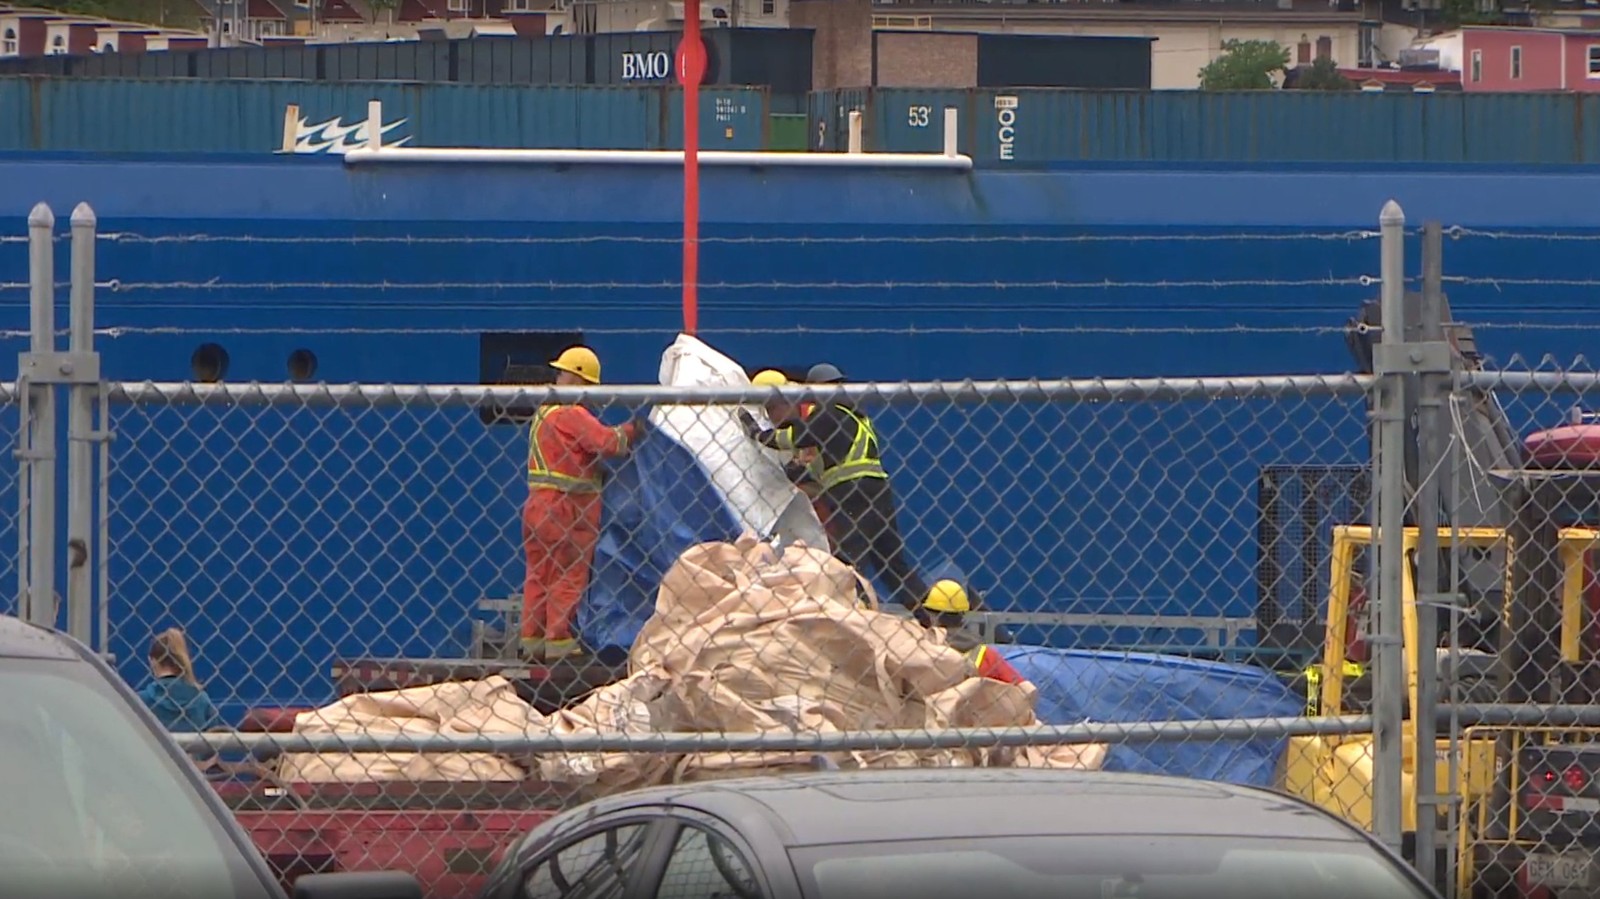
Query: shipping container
(641, 58)
(912, 121)
(554, 60)
(582, 118)
(1040, 60)
(113, 115)
(398, 61)
(828, 115)
(786, 132)
(735, 57)
(776, 58)
(730, 119)
(1041, 126)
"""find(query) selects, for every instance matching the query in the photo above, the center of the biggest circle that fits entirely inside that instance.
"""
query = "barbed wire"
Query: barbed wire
(130, 237)
(1499, 282)
(1458, 232)
(124, 331)
(118, 286)
(114, 332)
(1455, 232)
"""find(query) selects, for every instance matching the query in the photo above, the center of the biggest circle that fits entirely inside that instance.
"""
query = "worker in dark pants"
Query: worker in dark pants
(852, 479)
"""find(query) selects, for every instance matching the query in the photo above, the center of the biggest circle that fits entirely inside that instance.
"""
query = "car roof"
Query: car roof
(21, 640)
(943, 803)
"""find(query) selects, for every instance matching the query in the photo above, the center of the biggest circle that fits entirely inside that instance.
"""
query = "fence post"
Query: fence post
(1432, 433)
(81, 403)
(1389, 464)
(38, 447)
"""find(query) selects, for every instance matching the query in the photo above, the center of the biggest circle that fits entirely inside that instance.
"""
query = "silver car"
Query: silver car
(951, 834)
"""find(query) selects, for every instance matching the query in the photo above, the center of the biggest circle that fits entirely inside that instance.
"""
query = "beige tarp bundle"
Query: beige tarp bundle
(743, 640)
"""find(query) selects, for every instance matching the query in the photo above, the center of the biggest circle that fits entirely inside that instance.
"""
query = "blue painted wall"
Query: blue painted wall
(285, 537)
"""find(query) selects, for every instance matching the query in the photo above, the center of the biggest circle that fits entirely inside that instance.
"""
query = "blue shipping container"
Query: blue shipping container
(1043, 126)
(235, 116)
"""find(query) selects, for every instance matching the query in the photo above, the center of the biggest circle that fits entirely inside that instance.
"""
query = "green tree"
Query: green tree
(383, 10)
(1323, 75)
(1244, 66)
(152, 12)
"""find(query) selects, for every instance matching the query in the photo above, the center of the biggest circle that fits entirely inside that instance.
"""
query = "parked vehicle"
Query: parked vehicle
(113, 806)
(951, 833)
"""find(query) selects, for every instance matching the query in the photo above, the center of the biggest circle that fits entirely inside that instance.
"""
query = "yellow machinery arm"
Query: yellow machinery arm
(1335, 772)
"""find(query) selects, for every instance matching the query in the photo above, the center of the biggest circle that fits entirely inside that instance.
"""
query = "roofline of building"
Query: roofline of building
(50, 15)
(951, 32)
(1130, 14)
(1525, 29)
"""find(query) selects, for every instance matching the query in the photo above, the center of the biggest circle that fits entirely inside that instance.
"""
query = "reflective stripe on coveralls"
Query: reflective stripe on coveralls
(993, 665)
(861, 462)
(539, 474)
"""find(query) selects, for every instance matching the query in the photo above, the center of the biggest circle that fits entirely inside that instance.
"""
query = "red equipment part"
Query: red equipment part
(1568, 446)
(449, 852)
(447, 835)
(1355, 627)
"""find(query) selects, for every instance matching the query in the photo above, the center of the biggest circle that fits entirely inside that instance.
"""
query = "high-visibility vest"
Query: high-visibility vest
(861, 461)
(539, 473)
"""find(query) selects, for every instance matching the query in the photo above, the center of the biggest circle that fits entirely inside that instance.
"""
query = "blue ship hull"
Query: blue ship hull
(285, 537)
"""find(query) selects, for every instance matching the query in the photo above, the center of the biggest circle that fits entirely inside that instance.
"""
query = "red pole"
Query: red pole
(691, 69)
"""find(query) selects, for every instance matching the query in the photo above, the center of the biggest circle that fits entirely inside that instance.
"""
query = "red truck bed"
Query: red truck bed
(449, 835)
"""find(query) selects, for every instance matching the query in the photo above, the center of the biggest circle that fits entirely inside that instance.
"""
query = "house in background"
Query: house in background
(27, 33)
(1519, 59)
(1189, 34)
(22, 32)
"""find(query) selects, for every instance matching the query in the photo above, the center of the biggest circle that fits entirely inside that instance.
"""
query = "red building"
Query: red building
(1527, 59)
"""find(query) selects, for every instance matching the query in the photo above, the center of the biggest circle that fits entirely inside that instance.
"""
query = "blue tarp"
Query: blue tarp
(658, 502)
(1077, 685)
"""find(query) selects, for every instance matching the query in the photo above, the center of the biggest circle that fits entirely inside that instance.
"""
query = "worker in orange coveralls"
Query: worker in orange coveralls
(946, 607)
(561, 519)
(802, 469)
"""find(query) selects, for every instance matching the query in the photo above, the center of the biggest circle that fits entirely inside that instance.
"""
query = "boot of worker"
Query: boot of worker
(532, 649)
(557, 650)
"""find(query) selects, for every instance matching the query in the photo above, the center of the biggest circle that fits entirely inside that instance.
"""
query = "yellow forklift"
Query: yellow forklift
(1499, 848)
(1520, 551)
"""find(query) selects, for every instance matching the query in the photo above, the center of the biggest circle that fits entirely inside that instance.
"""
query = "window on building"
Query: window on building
(1516, 62)
(519, 5)
(58, 44)
(458, 6)
(1594, 60)
(769, 7)
(1302, 51)
(8, 43)
(1324, 47)
(1477, 66)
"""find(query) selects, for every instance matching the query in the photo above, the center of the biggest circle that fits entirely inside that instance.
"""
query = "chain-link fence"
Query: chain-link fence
(1523, 634)
(413, 610)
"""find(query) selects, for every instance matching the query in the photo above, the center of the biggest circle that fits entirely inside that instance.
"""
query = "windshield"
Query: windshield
(1132, 867)
(94, 805)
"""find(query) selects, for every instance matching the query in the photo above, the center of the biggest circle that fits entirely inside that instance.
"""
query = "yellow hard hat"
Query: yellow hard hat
(580, 361)
(769, 378)
(947, 596)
